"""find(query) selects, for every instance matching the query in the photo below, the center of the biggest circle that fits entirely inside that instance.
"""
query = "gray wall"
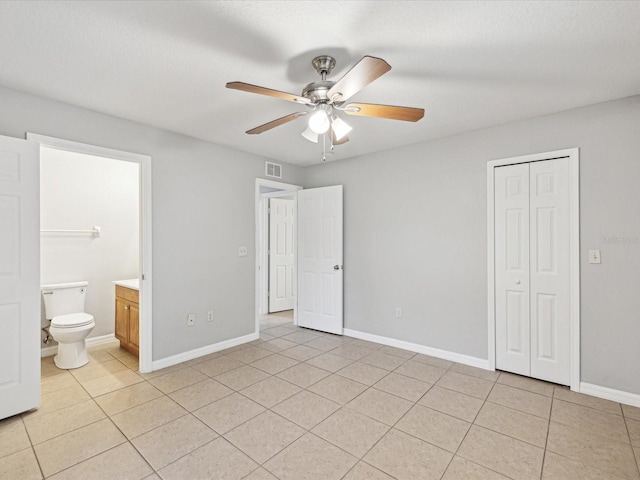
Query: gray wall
(203, 209)
(415, 228)
(415, 235)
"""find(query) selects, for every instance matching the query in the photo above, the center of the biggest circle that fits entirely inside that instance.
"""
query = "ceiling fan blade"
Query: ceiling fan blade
(247, 87)
(392, 112)
(275, 123)
(361, 74)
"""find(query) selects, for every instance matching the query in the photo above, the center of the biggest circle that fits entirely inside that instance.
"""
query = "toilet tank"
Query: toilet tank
(63, 298)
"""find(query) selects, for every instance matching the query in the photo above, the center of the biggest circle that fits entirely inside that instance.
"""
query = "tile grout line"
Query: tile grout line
(398, 421)
(33, 450)
(471, 424)
(415, 403)
(546, 440)
(190, 413)
(309, 431)
(633, 450)
(127, 439)
(371, 351)
(76, 429)
(164, 394)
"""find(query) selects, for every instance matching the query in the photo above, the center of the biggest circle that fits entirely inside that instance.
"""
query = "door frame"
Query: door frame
(262, 229)
(146, 289)
(573, 154)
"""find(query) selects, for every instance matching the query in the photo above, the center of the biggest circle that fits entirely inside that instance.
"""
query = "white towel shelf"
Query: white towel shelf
(95, 231)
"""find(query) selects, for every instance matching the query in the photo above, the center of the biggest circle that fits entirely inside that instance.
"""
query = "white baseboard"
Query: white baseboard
(91, 342)
(48, 351)
(610, 394)
(199, 352)
(414, 347)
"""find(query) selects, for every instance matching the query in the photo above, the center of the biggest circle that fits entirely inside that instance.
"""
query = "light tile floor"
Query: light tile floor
(298, 404)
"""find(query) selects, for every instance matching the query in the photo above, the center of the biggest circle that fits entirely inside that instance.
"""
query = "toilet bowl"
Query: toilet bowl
(70, 331)
(70, 325)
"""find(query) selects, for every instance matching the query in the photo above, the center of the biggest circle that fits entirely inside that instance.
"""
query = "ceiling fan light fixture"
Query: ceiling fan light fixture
(310, 135)
(319, 122)
(340, 128)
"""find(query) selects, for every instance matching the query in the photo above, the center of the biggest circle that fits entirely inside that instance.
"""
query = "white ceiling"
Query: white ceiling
(470, 65)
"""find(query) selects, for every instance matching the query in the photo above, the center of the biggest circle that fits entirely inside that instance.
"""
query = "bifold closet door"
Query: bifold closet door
(532, 269)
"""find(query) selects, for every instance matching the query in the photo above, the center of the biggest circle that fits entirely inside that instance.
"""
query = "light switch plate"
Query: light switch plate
(594, 256)
(242, 251)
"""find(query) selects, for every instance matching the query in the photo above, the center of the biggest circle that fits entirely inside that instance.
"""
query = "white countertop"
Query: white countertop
(133, 283)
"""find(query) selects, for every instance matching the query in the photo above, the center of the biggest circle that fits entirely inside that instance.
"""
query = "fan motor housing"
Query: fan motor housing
(317, 91)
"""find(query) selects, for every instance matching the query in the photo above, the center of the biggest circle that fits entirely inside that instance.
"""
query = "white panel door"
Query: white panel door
(549, 270)
(319, 269)
(19, 276)
(281, 254)
(532, 219)
(512, 268)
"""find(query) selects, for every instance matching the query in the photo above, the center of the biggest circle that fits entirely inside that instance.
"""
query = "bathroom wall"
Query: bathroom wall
(78, 192)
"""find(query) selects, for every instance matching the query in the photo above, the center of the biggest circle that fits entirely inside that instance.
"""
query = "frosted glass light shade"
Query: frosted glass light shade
(319, 122)
(340, 128)
(310, 135)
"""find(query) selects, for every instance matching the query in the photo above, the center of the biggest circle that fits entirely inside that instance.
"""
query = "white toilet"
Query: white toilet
(70, 326)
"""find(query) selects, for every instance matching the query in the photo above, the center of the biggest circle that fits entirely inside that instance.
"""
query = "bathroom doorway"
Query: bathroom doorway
(95, 221)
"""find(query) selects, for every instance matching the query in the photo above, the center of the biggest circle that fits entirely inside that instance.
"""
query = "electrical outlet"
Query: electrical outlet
(398, 312)
(191, 320)
(242, 251)
(210, 316)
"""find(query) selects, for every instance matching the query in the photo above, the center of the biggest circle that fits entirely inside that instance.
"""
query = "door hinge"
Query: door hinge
(142, 276)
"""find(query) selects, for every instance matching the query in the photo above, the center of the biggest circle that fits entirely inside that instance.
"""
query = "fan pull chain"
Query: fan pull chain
(324, 147)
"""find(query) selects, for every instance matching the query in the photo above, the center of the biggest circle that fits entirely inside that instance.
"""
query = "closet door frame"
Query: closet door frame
(573, 155)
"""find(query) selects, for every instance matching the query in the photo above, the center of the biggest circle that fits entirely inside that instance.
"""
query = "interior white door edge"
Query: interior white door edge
(574, 272)
(19, 276)
(319, 295)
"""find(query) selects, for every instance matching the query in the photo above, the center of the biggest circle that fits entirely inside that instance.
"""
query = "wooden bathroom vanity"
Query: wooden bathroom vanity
(127, 315)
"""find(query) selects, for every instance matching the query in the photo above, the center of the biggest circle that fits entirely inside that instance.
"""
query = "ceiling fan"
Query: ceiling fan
(326, 98)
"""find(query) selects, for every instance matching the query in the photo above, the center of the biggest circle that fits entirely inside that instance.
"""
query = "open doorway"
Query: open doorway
(275, 253)
(123, 179)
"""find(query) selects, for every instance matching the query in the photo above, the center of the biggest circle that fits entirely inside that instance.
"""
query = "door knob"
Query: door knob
(517, 282)
(337, 267)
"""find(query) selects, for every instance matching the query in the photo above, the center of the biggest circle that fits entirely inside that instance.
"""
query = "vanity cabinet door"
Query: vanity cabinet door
(134, 332)
(122, 320)
(127, 319)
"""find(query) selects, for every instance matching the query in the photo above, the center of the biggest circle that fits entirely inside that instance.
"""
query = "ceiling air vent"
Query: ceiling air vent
(273, 170)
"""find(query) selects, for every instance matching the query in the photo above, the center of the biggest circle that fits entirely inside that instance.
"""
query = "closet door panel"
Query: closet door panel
(512, 268)
(549, 262)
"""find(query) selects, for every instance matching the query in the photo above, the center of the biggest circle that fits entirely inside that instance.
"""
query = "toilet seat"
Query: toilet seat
(72, 320)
